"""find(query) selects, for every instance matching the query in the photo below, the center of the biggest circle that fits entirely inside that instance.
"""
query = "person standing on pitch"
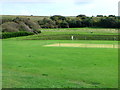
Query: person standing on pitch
(72, 38)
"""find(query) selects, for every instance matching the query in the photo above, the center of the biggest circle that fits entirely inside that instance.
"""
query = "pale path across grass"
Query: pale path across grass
(83, 45)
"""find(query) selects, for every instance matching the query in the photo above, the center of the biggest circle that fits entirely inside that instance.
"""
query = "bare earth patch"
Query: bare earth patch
(83, 45)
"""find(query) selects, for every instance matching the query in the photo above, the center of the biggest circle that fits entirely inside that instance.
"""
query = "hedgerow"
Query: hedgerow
(15, 34)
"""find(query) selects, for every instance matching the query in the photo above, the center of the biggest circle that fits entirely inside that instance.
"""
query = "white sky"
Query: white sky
(59, 7)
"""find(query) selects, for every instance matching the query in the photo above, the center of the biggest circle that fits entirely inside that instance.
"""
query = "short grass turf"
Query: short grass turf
(27, 64)
(86, 31)
(78, 33)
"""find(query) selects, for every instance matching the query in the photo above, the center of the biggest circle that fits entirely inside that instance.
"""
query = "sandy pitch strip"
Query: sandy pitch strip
(83, 45)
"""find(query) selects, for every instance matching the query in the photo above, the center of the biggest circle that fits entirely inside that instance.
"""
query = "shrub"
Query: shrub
(10, 27)
(20, 24)
(15, 34)
(24, 27)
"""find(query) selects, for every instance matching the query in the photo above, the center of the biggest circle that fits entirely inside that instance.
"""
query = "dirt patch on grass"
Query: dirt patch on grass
(83, 45)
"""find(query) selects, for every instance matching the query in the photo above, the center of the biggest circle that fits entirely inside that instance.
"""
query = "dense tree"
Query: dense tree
(111, 16)
(107, 23)
(64, 24)
(57, 17)
(58, 21)
(47, 23)
(99, 15)
(82, 16)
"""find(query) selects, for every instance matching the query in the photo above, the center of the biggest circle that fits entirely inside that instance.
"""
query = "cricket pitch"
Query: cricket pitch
(83, 45)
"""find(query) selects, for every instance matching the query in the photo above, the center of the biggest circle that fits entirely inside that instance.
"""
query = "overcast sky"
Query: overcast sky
(59, 7)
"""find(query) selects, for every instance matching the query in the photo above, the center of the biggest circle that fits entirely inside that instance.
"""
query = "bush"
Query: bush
(31, 24)
(15, 34)
(20, 24)
(5, 19)
(10, 27)
(24, 27)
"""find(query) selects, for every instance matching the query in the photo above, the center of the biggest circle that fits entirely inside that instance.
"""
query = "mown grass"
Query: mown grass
(95, 31)
(27, 64)
(78, 33)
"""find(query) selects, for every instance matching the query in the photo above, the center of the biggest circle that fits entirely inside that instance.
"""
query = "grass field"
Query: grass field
(96, 31)
(29, 64)
(26, 63)
(78, 33)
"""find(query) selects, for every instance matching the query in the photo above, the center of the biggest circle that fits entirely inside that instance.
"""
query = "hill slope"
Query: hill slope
(16, 24)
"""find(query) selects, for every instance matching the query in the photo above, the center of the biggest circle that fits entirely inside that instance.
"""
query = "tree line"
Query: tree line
(58, 21)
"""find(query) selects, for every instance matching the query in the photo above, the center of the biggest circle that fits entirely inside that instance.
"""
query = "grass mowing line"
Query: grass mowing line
(83, 45)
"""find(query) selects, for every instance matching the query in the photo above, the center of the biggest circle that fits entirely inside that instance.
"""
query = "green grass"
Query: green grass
(96, 31)
(27, 64)
(78, 33)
